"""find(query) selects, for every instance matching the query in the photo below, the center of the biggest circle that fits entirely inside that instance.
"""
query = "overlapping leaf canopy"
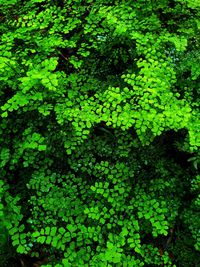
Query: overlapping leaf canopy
(89, 89)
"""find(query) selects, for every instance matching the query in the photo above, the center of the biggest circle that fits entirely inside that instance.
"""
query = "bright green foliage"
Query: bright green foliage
(99, 131)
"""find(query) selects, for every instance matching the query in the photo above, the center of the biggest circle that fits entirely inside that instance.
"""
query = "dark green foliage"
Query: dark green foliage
(99, 132)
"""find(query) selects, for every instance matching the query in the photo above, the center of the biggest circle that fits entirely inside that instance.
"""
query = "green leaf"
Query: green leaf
(55, 241)
(66, 263)
(110, 245)
(47, 230)
(53, 231)
(36, 234)
(42, 147)
(21, 249)
(41, 239)
(71, 228)
(4, 114)
(48, 240)
(61, 230)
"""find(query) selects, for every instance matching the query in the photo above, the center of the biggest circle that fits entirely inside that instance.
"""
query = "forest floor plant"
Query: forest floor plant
(99, 133)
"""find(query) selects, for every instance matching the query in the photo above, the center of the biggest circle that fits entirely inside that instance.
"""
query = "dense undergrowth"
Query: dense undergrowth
(99, 133)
